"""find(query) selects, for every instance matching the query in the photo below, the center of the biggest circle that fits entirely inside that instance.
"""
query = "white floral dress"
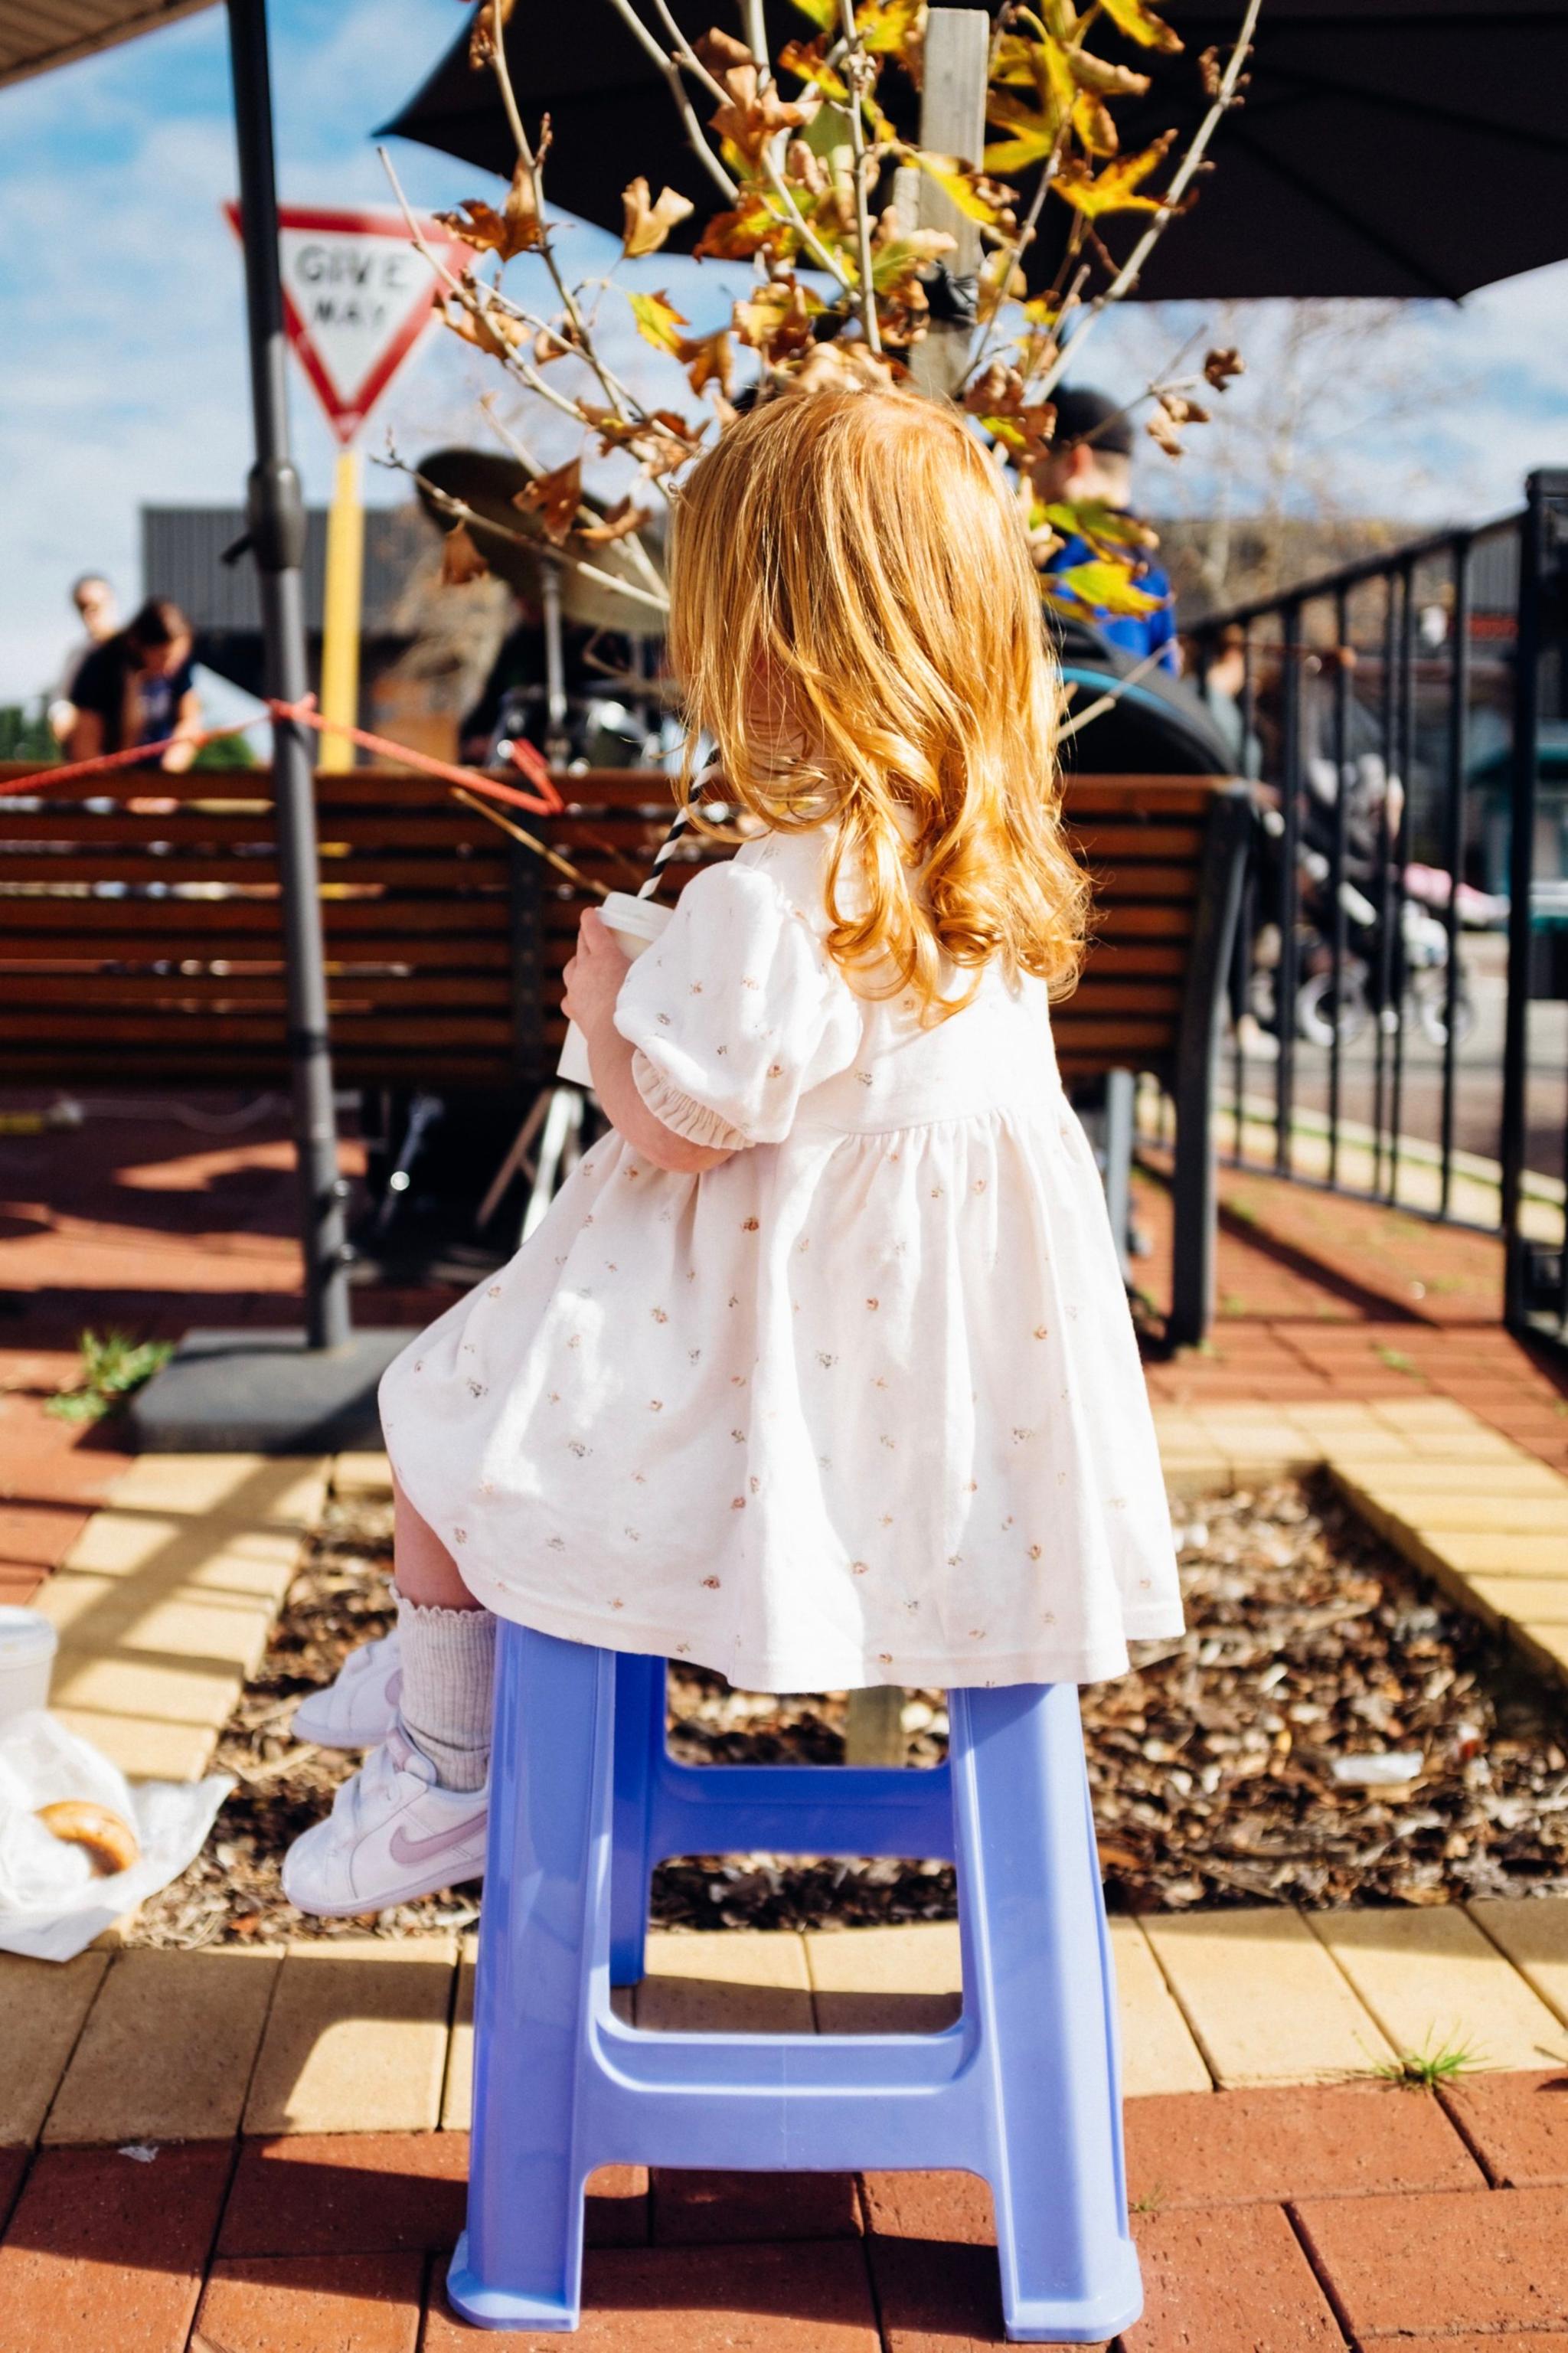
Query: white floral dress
(861, 1405)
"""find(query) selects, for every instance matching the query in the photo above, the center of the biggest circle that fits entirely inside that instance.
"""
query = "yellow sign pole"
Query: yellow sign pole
(340, 613)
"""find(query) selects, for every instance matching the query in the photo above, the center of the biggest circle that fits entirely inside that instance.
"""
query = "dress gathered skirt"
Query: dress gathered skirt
(860, 1405)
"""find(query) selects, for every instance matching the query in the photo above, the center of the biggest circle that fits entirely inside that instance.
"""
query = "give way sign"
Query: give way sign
(357, 298)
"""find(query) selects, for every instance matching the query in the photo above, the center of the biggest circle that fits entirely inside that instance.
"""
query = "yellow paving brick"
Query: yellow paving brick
(1485, 1446)
(168, 2050)
(283, 1491)
(1533, 1933)
(357, 2037)
(43, 2006)
(143, 1746)
(458, 2091)
(1264, 2000)
(105, 1613)
(1158, 2052)
(1543, 1601)
(1187, 1482)
(737, 1982)
(1419, 1417)
(168, 1555)
(1497, 1555)
(165, 1690)
(1415, 1476)
(1376, 1446)
(1500, 1515)
(905, 1980)
(361, 1474)
(1433, 1980)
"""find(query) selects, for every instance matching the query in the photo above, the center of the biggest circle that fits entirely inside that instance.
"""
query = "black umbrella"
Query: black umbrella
(1387, 147)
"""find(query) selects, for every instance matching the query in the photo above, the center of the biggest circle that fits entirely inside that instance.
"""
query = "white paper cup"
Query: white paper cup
(27, 1647)
(636, 923)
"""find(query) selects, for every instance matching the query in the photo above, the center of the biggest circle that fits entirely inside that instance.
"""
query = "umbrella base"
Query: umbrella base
(247, 1392)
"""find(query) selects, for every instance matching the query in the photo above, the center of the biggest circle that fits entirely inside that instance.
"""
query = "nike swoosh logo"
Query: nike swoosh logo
(403, 1849)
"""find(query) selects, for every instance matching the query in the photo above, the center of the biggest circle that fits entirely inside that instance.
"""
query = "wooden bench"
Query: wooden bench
(145, 944)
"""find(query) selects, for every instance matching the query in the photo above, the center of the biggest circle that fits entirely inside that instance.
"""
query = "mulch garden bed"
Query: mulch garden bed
(1213, 1763)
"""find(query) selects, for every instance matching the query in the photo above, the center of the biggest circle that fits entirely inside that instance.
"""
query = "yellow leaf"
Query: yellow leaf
(822, 13)
(1140, 24)
(1106, 81)
(1091, 121)
(890, 28)
(460, 559)
(1114, 188)
(976, 197)
(1102, 525)
(736, 236)
(648, 224)
(658, 322)
(1104, 587)
(554, 498)
(808, 60)
(1035, 129)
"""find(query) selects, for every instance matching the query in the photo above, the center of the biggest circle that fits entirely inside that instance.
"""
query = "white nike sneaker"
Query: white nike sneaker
(394, 1834)
(360, 1707)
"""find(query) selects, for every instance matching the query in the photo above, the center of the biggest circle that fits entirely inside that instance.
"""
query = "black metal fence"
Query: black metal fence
(1399, 996)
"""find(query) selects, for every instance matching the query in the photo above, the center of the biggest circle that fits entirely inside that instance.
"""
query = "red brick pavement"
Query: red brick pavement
(148, 1226)
(1350, 2216)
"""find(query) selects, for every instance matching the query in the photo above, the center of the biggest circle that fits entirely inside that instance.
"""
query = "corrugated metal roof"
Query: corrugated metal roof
(35, 34)
(181, 557)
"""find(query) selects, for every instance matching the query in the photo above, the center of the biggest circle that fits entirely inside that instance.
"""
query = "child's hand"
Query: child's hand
(595, 974)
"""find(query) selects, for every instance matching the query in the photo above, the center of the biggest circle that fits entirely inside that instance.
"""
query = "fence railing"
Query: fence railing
(1399, 996)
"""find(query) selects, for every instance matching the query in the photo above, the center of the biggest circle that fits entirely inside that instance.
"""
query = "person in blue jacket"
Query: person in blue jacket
(1090, 458)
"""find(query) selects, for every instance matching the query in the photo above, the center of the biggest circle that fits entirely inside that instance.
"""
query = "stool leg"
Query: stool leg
(1036, 1975)
(639, 1755)
(519, 2263)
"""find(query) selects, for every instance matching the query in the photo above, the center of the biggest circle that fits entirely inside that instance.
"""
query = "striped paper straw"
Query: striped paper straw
(671, 841)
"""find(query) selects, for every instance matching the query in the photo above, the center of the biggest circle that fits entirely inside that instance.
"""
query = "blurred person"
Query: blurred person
(1090, 461)
(100, 616)
(138, 688)
(1222, 686)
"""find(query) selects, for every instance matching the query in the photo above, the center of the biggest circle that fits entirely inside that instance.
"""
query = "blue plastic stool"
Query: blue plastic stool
(1023, 2090)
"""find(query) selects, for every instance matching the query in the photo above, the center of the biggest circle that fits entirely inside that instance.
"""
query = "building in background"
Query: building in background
(426, 650)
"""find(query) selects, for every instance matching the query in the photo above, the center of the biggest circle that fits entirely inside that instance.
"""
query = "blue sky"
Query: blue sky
(121, 353)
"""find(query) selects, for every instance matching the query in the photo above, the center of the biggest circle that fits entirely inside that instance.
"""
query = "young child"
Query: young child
(819, 1372)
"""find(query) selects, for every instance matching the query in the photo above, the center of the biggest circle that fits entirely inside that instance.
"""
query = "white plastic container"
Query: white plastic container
(636, 923)
(27, 1647)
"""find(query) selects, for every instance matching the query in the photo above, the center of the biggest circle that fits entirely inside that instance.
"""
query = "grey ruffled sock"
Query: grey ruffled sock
(448, 1667)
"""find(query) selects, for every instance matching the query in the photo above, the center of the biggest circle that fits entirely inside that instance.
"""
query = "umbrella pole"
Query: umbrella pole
(275, 515)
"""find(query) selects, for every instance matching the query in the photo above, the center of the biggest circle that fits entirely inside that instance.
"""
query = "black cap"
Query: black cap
(1094, 418)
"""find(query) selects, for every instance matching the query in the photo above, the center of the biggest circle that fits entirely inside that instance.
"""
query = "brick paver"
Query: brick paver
(167, 2051)
(1517, 2123)
(1447, 2260)
(43, 2008)
(347, 2193)
(107, 2249)
(1432, 1979)
(312, 2303)
(1230, 2279)
(1264, 1999)
(758, 2299)
(1264, 2146)
(356, 2040)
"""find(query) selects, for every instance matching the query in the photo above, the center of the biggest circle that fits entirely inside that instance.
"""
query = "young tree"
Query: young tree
(812, 182)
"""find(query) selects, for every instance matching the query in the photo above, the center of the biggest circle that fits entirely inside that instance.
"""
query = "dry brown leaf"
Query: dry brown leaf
(554, 498)
(622, 520)
(1221, 364)
(485, 32)
(709, 359)
(648, 225)
(516, 228)
(460, 559)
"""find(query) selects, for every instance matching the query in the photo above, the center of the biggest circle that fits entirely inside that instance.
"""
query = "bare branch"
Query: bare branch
(855, 68)
(677, 88)
(1127, 276)
(460, 511)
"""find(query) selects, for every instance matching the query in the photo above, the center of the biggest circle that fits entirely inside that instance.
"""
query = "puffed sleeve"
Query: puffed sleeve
(736, 1011)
